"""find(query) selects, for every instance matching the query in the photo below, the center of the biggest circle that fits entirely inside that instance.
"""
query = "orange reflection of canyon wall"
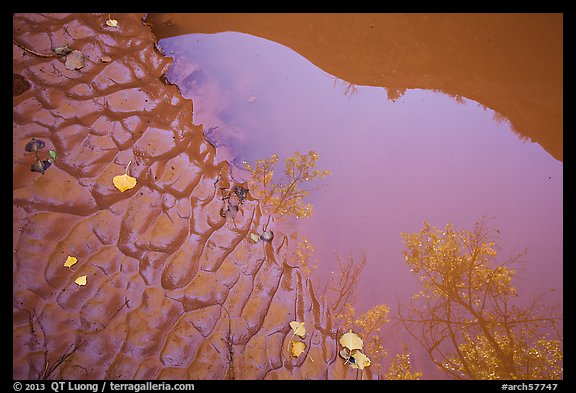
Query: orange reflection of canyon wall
(511, 63)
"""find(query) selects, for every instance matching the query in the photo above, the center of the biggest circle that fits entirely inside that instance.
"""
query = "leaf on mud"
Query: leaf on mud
(81, 281)
(360, 360)
(111, 22)
(105, 59)
(124, 182)
(75, 60)
(34, 145)
(70, 261)
(62, 51)
(297, 348)
(52, 154)
(298, 328)
(351, 341)
(254, 237)
(40, 166)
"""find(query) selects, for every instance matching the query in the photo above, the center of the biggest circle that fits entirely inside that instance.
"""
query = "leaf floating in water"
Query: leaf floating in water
(40, 166)
(70, 261)
(124, 182)
(351, 341)
(359, 360)
(75, 60)
(34, 145)
(81, 281)
(267, 236)
(344, 353)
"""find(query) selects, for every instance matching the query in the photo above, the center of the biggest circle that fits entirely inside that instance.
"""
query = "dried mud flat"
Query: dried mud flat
(174, 290)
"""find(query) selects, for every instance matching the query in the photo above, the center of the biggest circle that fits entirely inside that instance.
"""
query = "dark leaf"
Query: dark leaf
(34, 145)
(19, 84)
(241, 192)
(267, 236)
(40, 166)
(62, 51)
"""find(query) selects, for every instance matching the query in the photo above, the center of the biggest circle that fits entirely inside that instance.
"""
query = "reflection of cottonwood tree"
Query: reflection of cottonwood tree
(285, 196)
(350, 88)
(342, 287)
(466, 317)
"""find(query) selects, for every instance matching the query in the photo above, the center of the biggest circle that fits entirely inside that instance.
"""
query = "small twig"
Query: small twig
(33, 52)
(264, 227)
(47, 371)
(229, 347)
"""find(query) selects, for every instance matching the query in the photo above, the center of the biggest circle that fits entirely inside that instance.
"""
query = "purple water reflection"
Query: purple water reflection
(394, 164)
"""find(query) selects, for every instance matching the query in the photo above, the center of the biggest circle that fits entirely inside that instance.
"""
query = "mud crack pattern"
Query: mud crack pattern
(174, 289)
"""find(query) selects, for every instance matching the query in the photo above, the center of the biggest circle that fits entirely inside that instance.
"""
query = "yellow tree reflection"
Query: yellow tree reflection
(468, 316)
(286, 195)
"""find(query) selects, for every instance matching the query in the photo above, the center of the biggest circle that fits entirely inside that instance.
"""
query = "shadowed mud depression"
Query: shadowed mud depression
(226, 197)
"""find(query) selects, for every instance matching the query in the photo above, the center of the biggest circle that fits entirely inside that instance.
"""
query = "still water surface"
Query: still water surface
(424, 156)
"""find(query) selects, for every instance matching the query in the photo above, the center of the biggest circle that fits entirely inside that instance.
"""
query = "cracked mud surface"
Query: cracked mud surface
(174, 291)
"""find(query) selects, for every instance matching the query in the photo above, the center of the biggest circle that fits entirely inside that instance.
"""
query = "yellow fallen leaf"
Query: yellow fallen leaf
(70, 261)
(298, 328)
(351, 341)
(82, 280)
(111, 22)
(297, 348)
(360, 360)
(124, 182)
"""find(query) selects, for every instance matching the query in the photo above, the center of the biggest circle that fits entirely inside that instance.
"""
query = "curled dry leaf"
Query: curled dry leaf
(105, 59)
(75, 60)
(70, 261)
(297, 348)
(351, 341)
(81, 281)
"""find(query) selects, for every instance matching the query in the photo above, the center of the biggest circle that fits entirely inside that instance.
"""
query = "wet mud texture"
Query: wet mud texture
(511, 63)
(174, 290)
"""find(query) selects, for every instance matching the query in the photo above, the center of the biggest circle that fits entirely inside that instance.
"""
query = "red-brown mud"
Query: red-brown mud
(511, 63)
(174, 290)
